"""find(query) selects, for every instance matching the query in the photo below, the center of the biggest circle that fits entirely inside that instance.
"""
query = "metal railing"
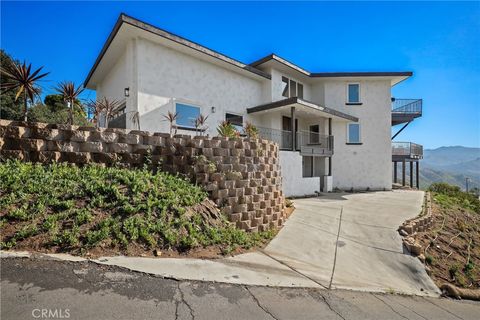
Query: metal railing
(314, 139)
(303, 139)
(407, 149)
(407, 106)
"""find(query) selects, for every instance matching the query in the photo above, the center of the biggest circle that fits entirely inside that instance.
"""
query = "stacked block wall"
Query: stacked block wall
(241, 175)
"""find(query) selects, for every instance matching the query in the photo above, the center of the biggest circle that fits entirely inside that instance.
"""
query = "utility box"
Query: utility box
(327, 184)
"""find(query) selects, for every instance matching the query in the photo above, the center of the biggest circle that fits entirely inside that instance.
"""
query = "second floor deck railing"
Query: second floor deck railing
(407, 106)
(314, 139)
(407, 149)
(303, 138)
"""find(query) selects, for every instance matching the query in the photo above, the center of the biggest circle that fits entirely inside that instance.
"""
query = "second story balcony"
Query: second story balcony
(309, 143)
(406, 151)
(405, 110)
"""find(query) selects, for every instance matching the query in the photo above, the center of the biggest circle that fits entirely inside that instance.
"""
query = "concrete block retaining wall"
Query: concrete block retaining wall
(241, 175)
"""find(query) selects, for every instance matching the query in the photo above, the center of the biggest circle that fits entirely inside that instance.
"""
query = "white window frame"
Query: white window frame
(359, 133)
(188, 103)
(347, 97)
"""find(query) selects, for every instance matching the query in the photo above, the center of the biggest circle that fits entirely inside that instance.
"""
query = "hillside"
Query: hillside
(452, 165)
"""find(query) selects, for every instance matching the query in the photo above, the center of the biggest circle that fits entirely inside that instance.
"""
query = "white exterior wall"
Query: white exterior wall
(158, 76)
(122, 75)
(293, 184)
(276, 85)
(368, 165)
(166, 76)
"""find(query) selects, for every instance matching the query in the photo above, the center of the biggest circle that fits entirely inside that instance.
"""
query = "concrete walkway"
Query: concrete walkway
(334, 241)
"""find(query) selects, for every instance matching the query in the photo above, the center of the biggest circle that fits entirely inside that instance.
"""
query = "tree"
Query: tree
(107, 108)
(70, 95)
(53, 110)
(20, 79)
(10, 108)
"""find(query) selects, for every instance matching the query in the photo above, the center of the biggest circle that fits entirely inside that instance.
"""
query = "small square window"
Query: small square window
(353, 133)
(186, 115)
(353, 93)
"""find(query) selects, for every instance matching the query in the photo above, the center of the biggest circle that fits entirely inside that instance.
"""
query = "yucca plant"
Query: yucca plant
(70, 94)
(226, 129)
(106, 107)
(251, 131)
(20, 78)
(200, 123)
(171, 117)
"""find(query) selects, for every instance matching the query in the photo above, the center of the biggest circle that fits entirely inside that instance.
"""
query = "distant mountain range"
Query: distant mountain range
(452, 165)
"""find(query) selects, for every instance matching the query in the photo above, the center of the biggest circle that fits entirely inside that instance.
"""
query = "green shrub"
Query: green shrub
(79, 208)
(447, 196)
(227, 130)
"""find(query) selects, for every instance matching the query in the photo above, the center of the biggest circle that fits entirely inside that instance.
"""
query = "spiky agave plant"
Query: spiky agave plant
(171, 117)
(107, 107)
(70, 94)
(20, 78)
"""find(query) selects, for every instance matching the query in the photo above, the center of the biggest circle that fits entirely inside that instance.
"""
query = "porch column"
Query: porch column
(292, 118)
(418, 175)
(411, 174)
(329, 140)
(403, 172)
(395, 171)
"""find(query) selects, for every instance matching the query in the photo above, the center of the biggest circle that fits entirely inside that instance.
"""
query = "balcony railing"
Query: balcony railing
(282, 137)
(306, 141)
(407, 106)
(313, 140)
(407, 150)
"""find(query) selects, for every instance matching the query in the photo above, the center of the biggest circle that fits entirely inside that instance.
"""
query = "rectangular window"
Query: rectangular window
(236, 120)
(186, 115)
(285, 87)
(293, 88)
(300, 91)
(353, 133)
(353, 93)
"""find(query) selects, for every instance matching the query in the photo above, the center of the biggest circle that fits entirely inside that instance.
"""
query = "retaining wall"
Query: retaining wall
(241, 175)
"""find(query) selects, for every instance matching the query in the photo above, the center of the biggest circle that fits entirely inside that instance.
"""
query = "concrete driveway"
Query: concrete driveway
(346, 241)
(350, 241)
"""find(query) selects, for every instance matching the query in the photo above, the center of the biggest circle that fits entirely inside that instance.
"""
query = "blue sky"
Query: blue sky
(439, 42)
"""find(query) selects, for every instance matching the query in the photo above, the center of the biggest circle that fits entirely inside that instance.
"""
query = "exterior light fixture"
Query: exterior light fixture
(214, 109)
(127, 92)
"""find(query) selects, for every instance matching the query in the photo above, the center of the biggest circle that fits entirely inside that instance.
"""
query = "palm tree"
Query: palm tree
(19, 78)
(70, 94)
(106, 107)
(171, 117)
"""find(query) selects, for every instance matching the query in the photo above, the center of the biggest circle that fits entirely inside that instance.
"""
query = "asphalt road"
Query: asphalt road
(40, 288)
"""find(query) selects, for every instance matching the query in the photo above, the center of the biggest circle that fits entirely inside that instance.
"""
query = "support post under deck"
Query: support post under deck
(411, 174)
(395, 171)
(418, 174)
(403, 172)
(292, 118)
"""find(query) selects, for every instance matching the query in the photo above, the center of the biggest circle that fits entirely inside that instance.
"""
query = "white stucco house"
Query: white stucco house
(334, 129)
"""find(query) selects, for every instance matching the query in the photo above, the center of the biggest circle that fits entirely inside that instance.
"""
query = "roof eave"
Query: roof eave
(123, 18)
(296, 100)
